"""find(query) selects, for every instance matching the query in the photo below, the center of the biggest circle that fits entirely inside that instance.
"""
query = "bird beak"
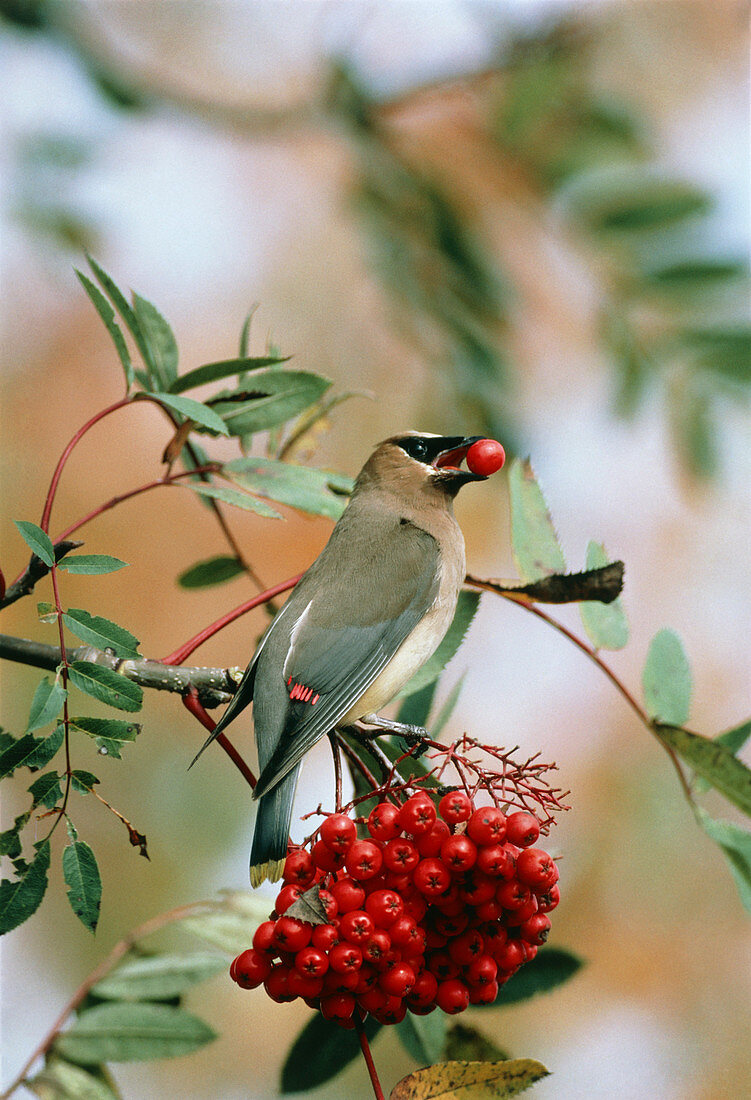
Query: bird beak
(450, 458)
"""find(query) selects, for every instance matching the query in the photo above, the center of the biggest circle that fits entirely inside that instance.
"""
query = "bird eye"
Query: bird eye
(418, 448)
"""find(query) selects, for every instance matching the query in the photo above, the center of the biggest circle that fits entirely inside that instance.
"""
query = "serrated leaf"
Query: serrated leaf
(666, 679)
(232, 496)
(46, 704)
(735, 844)
(46, 612)
(132, 1033)
(467, 1044)
(109, 733)
(196, 411)
(415, 708)
(470, 1080)
(17, 753)
(158, 977)
(10, 840)
(269, 397)
(101, 633)
(37, 540)
(160, 340)
(106, 685)
(61, 1080)
(309, 907)
(440, 720)
(232, 924)
(550, 967)
(535, 545)
(320, 1051)
(123, 307)
(466, 609)
(423, 1037)
(211, 571)
(92, 564)
(83, 782)
(46, 749)
(20, 899)
(226, 368)
(46, 790)
(721, 769)
(605, 624)
(107, 314)
(319, 492)
(84, 882)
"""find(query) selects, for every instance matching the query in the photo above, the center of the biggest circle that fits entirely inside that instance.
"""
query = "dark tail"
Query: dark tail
(271, 834)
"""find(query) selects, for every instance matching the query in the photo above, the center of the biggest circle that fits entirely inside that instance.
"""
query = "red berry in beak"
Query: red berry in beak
(485, 457)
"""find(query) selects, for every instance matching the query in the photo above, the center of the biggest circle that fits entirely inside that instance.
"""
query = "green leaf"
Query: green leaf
(423, 1037)
(467, 1044)
(550, 967)
(109, 733)
(211, 571)
(722, 770)
(46, 612)
(535, 545)
(270, 397)
(232, 496)
(440, 720)
(46, 790)
(693, 426)
(695, 275)
(666, 679)
(84, 882)
(726, 350)
(625, 201)
(123, 307)
(106, 685)
(470, 1080)
(226, 368)
(83, 782)
(20, 899)
(132, 1033)
(320, 1051)
(736, 847)
(60, 1080)
(320, 492)
(434, 666)
(158, 977)
(18, 753)
(38, 540)
(196, 411)
(735, 738)
(160, 340)
(101, 633)
(10, 840)
(107, 314)
(605, 624)
(46, 704)
(232, 924)
(47, 747)
(92, 564)
(415, 708)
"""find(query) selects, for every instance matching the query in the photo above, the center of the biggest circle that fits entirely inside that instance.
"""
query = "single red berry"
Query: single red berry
(325, 936)
(513, 894)
(338, 831)
(348, 894)
(495, 860)
(401, 855)
(286, 896)
(455, 806)
(424, 990)
(398, 980)
(417, 815)
(459, 853)
(489, 910)
(495, 936)
(511, 956)
(277, 984)
(312, 961)
(400, 883)
(363, 860)
(548, 900)
(451, 926)
(522, 828)
(482, 970)
(304, 985)
(431, 877)
(292, 935)
(328, 901)
(325, 858)
(429, 844)
(485, 457)
(299, 868)
(263, 937)
(403, 931)
(478, 888)
(377, 948)
(384, 907)
(483, 994)
(383, 821)
(356, 927)
(416, 906)
(451, 903)
(467, 947)
(336, 982)
(251, 968)
(367, 979)
(487, 825)
(374, 1000)
(338, 1006)
(530, 950)
(535, 930)
(536, 868)
(392, 1011)
(514, 917)
(345, 957)
(452, 996)
(443, 966)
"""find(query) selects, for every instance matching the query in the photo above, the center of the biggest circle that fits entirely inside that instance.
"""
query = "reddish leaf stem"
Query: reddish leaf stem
(365, 1048)
(193, 643)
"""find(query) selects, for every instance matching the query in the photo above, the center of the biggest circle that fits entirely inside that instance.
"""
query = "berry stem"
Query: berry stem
(365, 1048)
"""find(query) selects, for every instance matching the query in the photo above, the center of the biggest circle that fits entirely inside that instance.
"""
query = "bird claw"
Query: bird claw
(411, 733)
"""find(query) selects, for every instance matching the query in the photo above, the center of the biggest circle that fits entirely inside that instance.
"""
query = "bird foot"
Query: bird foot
(411, 734)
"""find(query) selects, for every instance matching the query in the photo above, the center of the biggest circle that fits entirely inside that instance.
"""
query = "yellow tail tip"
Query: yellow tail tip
(272, 870)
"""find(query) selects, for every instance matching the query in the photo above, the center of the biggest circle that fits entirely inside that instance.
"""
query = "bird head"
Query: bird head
(420, 460)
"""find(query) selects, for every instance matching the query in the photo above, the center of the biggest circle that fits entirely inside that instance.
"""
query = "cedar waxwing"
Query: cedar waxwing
(366, 615)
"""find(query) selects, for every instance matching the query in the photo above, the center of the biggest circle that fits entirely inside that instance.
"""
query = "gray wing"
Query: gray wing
(353, 612)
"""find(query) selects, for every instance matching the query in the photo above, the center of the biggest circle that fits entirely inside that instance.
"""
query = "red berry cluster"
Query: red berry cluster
(430, 911)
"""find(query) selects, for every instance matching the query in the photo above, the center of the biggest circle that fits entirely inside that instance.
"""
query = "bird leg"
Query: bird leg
(413, 735)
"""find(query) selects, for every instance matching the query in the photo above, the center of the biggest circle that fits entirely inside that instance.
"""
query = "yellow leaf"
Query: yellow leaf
(470, 1080)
